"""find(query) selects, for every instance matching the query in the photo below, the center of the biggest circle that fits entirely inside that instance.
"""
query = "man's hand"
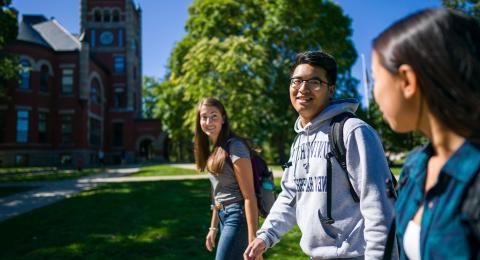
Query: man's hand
(254, 250)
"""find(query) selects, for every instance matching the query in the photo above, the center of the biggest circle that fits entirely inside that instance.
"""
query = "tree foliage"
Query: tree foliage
(8, 33)
(149, 96)
(240, 52)
(471, 7)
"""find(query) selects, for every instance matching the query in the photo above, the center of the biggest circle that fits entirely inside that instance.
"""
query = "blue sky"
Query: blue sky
(163, 23)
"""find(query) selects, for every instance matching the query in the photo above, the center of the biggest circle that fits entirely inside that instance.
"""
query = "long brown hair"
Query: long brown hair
(213, 160)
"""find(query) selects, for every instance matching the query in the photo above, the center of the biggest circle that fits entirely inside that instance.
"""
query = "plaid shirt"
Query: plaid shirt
(444, 232)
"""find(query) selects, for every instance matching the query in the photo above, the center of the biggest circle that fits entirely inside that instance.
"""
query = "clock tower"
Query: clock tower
(112, 30)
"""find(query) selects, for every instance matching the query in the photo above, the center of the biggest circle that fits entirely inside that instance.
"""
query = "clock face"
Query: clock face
(106, 38)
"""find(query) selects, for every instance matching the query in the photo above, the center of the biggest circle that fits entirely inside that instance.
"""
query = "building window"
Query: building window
(3, 118)
(95, 91)
(42, 127)
(95, 132)
(119, 64)
(24, 74)
(106, 15)
(44, 71)
(120, 98)
(97, 16)
(22, 126)
(120, 38)
(116, 16)
(66, 129)
(117, 134)
(134, 46)
(66, 159)
(21, 160)
(67, 81)
(92, 38)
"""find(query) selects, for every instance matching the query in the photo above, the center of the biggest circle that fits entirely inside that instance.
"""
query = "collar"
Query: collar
(462, 165)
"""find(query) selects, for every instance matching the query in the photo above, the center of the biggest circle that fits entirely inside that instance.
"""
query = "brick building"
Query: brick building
(79, 95)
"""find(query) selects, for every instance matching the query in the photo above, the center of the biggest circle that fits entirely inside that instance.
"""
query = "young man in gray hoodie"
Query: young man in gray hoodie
(359, 229)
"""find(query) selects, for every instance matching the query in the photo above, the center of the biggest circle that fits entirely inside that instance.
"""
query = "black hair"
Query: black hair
(443, 48)
(318, 59)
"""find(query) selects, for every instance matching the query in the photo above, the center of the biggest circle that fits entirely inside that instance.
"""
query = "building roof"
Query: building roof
(38, 29)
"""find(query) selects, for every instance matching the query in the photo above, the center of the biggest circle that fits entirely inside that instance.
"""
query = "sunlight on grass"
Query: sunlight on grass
(163, 170)
(275, 167)
(112, 190)
(51, 175)
(76, 247)
(396, 171)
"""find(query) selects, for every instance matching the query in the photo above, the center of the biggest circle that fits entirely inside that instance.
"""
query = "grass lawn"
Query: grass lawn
(163, 170)
(161, 220)
(50, 175)
(275, 167)
(396, 171)
(13, 170)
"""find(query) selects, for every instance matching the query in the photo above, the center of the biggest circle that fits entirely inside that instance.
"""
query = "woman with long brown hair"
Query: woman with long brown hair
(226, 158)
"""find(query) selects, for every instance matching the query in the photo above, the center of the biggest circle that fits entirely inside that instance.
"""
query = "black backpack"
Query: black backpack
(262, 181)
(338, 151)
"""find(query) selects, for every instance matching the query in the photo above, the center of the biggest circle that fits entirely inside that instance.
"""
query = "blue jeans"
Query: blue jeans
(233, 232)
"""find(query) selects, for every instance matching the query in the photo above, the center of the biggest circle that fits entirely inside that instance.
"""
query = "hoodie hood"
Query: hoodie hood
(334, 108)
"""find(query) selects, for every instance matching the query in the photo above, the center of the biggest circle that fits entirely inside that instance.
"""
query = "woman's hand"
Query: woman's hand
(254, 250)
(210, 240)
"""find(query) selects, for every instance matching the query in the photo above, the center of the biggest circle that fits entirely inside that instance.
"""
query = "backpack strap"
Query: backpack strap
(329, 219)
(337, 148)
(256, 176)
(387, 255)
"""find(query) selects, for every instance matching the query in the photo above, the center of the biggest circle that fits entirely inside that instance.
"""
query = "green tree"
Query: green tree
(241, 51)
(471, 7)
(9, 28)
(149, 96)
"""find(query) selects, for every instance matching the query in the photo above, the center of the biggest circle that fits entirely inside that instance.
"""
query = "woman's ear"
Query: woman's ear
(409, 81)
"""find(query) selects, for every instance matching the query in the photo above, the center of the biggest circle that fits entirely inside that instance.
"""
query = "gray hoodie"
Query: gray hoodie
(359, 228)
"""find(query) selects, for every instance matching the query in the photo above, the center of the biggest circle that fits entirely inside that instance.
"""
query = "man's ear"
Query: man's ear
(331, 91)
(409, 81)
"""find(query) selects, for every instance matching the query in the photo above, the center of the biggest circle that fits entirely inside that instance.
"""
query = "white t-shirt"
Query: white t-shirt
(411, 241)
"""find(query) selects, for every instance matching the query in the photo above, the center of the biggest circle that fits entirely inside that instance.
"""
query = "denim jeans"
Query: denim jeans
(233, 232)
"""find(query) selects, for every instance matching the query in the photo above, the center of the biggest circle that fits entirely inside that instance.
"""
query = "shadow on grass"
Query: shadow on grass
(154, 220)
(163, 220)
(7, 191)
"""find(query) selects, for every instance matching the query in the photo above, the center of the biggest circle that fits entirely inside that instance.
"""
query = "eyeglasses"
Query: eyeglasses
(312, 84)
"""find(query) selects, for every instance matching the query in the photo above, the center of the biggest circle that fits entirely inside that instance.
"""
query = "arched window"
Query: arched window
(106, 15)
(25, 74)
(44, 71)
(116, 16)
(95, 91)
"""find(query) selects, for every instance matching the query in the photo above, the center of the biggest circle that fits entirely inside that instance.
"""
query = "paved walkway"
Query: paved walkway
(47, 192)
